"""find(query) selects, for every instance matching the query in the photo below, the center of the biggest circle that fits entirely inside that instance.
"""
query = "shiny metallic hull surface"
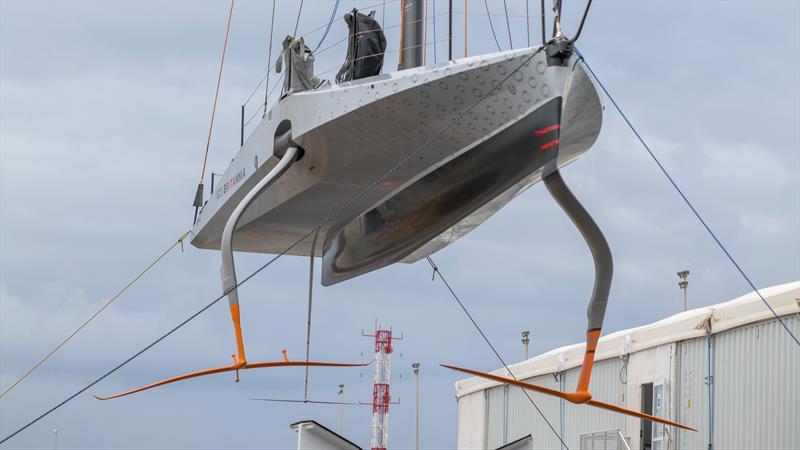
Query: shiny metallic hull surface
(355, 133)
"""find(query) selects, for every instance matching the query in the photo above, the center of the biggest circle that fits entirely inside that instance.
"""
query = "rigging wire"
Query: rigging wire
(436, 271)
(425, 36)
(146, 348)
(528, 21)
(433, 19)
(272, 66)
(269, 59)
(686, 199)
(328, 28)
(97, 313)
(325, 25)
(343, 207)
(491, 24)
(214, 108)
(297, 22)
(544, 31)
(508, 24)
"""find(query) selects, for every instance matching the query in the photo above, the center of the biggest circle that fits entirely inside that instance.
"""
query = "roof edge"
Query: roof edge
(743, 310)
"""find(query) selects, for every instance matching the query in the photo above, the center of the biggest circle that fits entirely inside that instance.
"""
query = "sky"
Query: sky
(104, 111)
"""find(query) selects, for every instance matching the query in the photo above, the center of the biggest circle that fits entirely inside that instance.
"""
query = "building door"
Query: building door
(645, 427)
(660, 411)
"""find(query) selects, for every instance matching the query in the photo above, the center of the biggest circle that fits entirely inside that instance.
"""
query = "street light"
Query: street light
(683, 284)
(55, 438)
(415, 366)
(341, 409)
(525, 341)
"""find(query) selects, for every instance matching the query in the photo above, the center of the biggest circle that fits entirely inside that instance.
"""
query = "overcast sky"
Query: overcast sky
(104, 109)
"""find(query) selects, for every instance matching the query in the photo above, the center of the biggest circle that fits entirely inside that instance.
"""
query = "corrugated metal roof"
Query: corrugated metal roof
(686, 325)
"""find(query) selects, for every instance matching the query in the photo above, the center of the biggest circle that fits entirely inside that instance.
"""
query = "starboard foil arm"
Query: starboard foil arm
(228, 270)
(567, 396)
(232, 368)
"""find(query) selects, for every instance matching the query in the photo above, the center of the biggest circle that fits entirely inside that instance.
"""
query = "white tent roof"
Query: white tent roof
(784, 299)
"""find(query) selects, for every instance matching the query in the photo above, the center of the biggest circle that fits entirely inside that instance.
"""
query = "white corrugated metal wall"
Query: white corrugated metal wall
(693, 393)
(511, 415)
(523, 418)
(496, 416)
(755, 387)
(472, 421)
(605, 386)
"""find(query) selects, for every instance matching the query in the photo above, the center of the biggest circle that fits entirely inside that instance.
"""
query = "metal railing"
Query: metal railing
(250, 112)
(604, 440)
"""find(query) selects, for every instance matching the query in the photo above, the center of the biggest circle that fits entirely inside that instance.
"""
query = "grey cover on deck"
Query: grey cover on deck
(299, 62)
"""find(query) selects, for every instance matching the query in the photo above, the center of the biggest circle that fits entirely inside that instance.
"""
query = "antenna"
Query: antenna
(381, 397)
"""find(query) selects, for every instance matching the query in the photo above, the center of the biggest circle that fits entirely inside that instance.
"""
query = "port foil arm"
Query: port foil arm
(604, 269)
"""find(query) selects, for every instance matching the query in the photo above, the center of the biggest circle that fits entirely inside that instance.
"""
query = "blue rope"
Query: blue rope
(328, 28)
(685, 199)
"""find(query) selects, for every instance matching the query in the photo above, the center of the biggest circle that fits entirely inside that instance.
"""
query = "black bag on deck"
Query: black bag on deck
(365, 47)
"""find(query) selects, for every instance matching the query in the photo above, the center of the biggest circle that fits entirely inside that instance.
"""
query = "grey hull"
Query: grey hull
(354, 133)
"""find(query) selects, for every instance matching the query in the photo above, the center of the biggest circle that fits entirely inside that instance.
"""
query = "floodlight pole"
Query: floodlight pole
(525, 341)
(684, 284)
(415, 366)
(341, 409)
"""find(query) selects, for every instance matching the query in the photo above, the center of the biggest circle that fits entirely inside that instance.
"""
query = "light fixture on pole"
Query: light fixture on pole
(525, 341)
(683, 284)
(55, 438)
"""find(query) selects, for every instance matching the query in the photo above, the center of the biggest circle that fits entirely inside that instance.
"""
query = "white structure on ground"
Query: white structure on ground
(313, 436)
(729, 370)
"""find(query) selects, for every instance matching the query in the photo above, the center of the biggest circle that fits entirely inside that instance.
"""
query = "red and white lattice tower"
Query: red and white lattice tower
(381, 398)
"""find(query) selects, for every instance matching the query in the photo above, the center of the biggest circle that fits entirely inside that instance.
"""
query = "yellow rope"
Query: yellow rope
(110, 301)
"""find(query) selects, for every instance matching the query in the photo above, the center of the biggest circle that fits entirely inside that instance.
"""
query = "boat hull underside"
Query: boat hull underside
(398, 166)
(442, 198)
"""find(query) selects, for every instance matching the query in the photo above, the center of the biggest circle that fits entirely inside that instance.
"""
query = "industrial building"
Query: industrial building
(729, 370)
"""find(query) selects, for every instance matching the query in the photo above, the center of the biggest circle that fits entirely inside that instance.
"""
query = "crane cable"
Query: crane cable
(97, 313)
(328, 28)
(436, 271)
(198, 199)
(686, 199)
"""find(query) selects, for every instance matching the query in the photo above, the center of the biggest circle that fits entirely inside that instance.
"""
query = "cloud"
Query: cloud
(104, 111)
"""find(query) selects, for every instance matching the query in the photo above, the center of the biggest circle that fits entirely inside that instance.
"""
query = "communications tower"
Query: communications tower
(381, 397)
